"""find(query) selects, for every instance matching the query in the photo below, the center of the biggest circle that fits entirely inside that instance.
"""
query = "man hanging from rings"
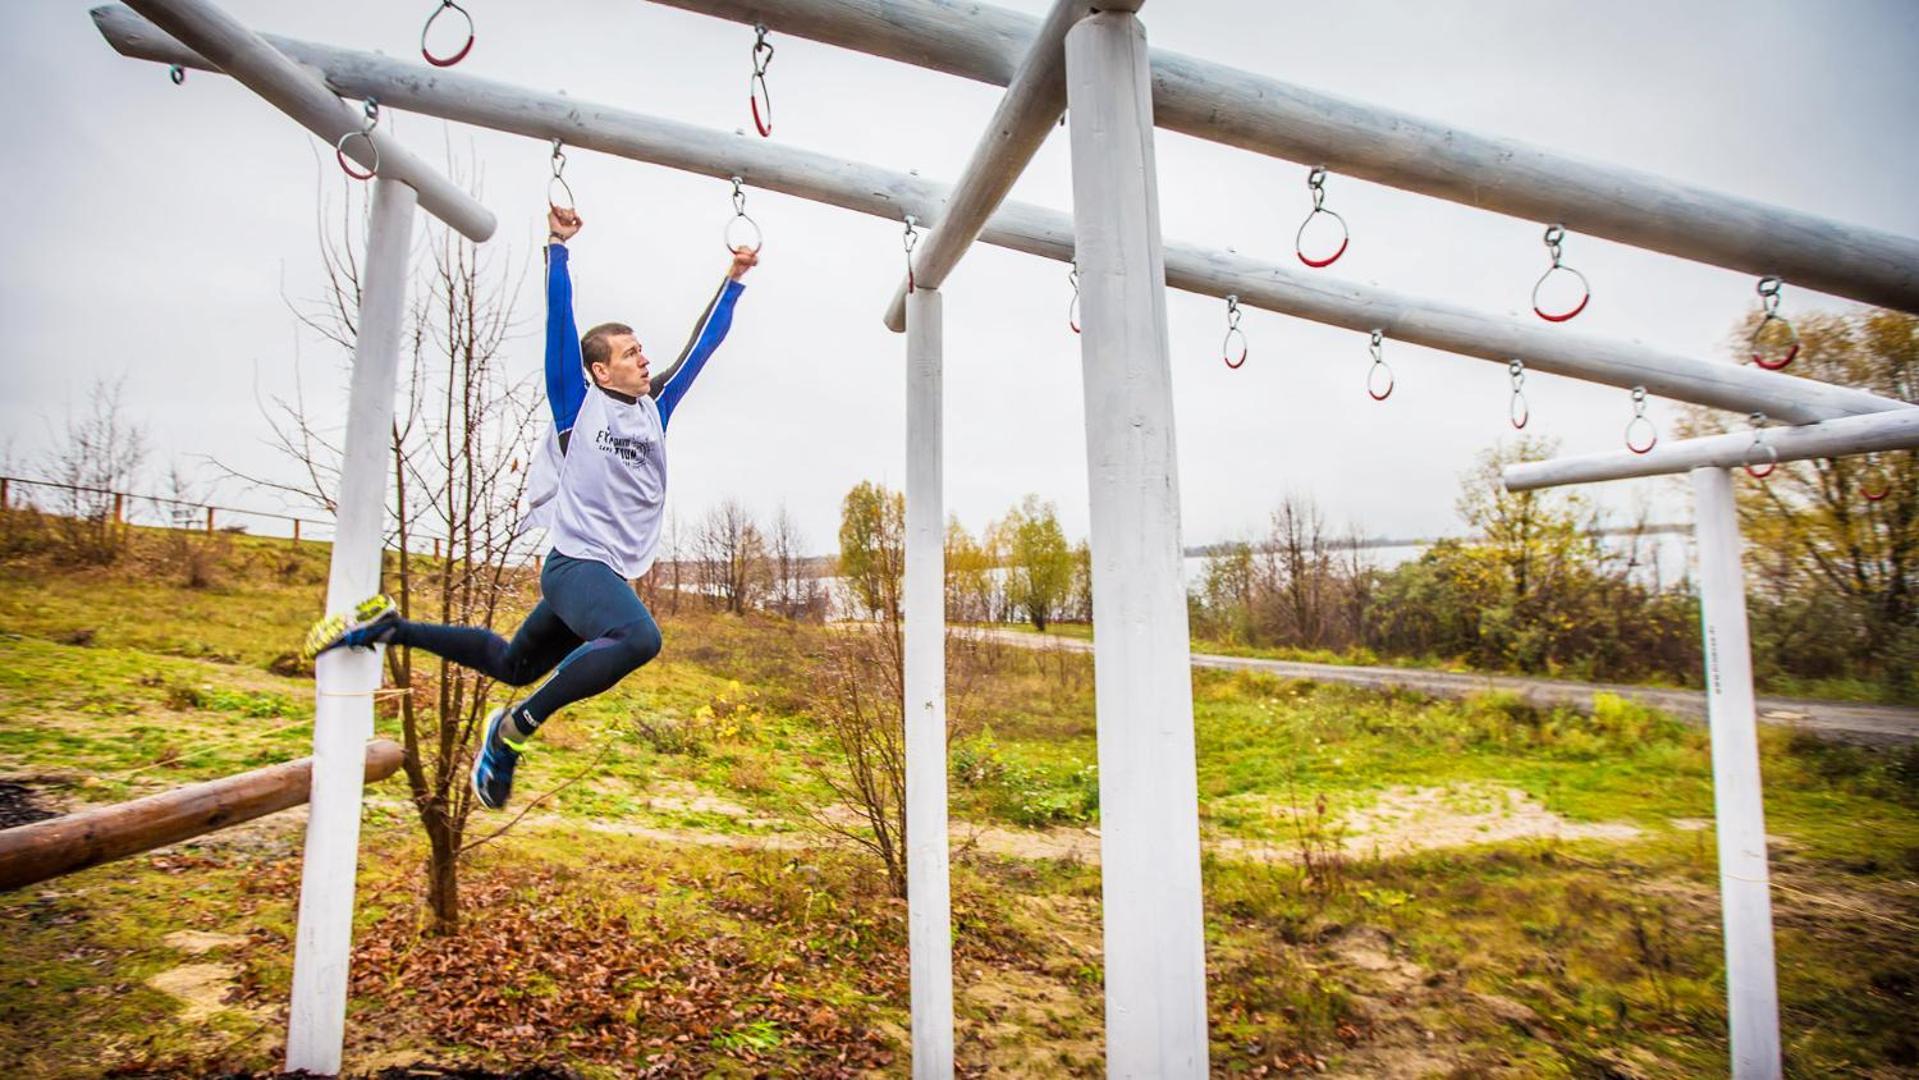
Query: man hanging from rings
(599, 488)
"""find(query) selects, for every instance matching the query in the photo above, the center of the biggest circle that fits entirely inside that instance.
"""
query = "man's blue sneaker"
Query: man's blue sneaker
(493, 763)
(370, 623)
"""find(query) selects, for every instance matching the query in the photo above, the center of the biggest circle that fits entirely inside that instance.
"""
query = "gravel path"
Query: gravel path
(1873, 725)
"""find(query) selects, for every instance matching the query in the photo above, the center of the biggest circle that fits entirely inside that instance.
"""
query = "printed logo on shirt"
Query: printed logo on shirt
(628, 449)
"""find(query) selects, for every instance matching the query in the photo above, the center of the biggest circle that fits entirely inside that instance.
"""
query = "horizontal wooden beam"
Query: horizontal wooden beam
(239, 52)
(48, 849)
(1284, 120)
(1034, 230)
(1026, 115)
(1832, 438)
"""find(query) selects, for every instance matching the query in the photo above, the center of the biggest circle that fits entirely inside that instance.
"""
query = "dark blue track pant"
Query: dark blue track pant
(589, 629)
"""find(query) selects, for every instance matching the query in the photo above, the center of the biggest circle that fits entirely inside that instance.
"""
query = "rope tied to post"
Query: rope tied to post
(365, 132)
(559, 177)
(1555, 236)
(911, 241)
(1518, 412)
(739, 216)
(1316, 183)
(449, 59)
(1379, 367)
(756, 90)
(1233, 331)
(1639, 424)
(1775, 342)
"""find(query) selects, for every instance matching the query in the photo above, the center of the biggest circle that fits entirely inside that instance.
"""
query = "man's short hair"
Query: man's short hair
(597, 346)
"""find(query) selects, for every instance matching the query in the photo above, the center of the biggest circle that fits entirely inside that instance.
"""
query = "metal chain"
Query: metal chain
(177, 73)
(1517, 410)
(1232, 331)
(1640, 422)
(1316, 183)
(756, 89)
(910, 241)
(1377, 348)
(1758, 421)
(1555, 236)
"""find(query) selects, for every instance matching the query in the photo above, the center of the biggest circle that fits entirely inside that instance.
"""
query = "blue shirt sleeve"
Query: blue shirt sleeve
(707, 335)
(565, 378)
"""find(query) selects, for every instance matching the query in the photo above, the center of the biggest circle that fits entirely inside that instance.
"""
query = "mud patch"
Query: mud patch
(20, 803)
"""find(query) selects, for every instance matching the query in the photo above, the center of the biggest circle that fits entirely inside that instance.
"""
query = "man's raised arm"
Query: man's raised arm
(565, 377)
(672, 386)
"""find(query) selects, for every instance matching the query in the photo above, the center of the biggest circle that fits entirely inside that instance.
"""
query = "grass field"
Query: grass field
(1395, 886)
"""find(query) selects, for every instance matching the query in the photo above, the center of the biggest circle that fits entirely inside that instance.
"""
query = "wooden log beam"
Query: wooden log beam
(1284, 120)
(1034, 100)
(869, 189)
(1832, 438)
(260, 67)
(33, 853)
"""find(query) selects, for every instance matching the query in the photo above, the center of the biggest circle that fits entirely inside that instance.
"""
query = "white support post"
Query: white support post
(929, 916)
(347, 678)
(1752, 993)
(1149, 800)
(869, 189)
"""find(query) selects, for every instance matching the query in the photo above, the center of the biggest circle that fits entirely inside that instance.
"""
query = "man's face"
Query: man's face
(628, 370)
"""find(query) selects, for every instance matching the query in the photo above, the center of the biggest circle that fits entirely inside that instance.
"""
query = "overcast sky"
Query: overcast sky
(153, 230)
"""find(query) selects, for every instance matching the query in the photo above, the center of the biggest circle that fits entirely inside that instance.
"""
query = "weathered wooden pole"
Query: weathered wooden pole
(1026, 115)
(1155, 951)
(1896, 430)
(209, 520)
(929, 901)
(869, 189)
(300, 94)
(347, 678)
(1299, 124)
(36, 852)
(1739, 814)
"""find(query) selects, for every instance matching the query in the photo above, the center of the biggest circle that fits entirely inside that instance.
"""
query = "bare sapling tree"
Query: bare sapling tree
(796, 592)
(462, 439)
(96, 456)
(732, 554)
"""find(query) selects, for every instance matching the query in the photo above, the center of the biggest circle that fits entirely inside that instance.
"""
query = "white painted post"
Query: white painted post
(1149, 801)
(346, 678)
(929, 915)
(1752, 993)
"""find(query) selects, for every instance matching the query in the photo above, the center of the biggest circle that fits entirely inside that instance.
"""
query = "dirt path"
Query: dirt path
(1872, 725)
